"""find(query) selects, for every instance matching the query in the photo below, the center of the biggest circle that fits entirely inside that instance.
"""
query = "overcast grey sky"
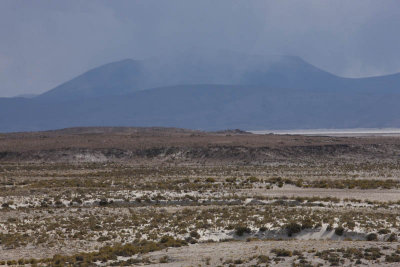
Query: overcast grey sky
(44, 43)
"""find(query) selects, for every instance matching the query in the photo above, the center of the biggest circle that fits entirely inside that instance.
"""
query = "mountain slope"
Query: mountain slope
(210, 107)
(210, 92)
(128, 75)
(111, 79)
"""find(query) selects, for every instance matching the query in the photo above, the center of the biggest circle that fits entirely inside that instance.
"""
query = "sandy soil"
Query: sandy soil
(78, 190)
(196, 255)
(382, 195)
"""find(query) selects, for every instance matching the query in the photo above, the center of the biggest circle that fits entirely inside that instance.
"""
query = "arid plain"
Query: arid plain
(174, 197)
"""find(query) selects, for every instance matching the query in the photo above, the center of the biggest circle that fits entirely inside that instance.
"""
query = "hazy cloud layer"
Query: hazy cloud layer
(44, 43)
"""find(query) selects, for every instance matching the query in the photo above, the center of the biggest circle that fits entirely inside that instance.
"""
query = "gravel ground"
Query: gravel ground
(197, 255)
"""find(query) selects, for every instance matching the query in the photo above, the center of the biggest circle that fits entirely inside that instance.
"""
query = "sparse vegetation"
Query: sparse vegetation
(157, 197)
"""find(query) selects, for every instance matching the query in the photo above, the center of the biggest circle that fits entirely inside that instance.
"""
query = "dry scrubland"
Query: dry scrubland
(150, 196)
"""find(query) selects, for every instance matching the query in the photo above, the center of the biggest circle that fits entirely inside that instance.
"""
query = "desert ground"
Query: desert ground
(175, 197)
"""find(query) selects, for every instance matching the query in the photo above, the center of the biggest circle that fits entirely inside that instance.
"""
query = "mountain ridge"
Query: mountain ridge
(129, 75)
(283, 92)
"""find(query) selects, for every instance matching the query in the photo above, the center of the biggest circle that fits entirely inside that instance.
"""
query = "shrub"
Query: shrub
(103, 202)
(383, 231)
(339, 230)
(11, 262)
(194, 234)
(164, 259)
(263, 259)
(240, 230)
(238, 261)
(282, 252)
(169, 241)
(351, 225)
(307, 223)
(253, 179)
(372, 237)
(103, 238)
(372, 253)
(392, 258)
(190, 240)
(392, 238)
(293, 228)
(230, 180)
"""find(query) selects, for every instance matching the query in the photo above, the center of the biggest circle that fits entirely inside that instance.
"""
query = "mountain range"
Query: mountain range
(211, 91)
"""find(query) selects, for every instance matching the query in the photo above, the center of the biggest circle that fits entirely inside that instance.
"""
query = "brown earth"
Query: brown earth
(77, 190)
(180, 146)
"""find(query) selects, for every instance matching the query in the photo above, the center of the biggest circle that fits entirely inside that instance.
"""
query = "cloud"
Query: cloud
(45, 43)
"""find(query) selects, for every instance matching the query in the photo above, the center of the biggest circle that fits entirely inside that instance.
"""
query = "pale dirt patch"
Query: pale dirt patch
(382, 195)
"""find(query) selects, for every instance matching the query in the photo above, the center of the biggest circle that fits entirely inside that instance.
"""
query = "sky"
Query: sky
(45, 43)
